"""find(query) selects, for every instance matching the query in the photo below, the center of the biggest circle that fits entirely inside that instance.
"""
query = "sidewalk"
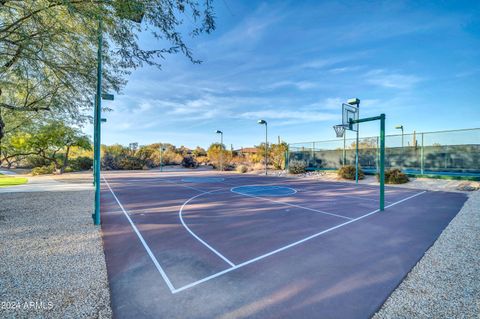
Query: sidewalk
(46, 184)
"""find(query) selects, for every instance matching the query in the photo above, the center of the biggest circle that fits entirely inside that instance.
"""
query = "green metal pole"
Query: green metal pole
(356, 147)
(98, 115)
(382, 161)
(286, 158)
(161, 158)
(356, 160)
(266, 148)
(422, 158)
(313, 154)
(95, 137)
(344, 150)
(221, 151)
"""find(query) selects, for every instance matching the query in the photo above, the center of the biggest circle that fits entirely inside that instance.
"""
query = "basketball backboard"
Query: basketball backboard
(349, 112)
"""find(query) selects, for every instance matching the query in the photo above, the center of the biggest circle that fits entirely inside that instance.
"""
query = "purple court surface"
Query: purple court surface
(205, 245)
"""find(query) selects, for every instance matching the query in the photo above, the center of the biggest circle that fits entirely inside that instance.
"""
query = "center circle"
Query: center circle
(203, 180)
(264, 190)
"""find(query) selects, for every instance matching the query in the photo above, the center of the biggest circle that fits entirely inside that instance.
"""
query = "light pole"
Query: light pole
(263, 122)
(356, 102)
(400, 127)
(162, 149)
(221, 148)
(136, 15)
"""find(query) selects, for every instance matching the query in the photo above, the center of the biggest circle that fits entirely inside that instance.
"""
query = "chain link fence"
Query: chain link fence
(455, 152)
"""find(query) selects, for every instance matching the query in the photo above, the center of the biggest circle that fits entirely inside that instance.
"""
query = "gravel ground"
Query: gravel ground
(446, 281)
(52, 263)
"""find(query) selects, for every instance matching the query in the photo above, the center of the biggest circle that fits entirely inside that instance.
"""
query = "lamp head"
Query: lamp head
(218, 132)
(354, 101)
(399, 127)
(262, 122)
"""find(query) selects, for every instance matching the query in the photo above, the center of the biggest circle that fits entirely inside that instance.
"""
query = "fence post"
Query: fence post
(286, 158)
(313, 154)
(422, 158)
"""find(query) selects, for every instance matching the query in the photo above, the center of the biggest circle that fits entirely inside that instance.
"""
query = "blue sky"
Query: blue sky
(293, 63)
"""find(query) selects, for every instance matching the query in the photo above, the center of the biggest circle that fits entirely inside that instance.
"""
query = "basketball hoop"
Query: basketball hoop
(339, 130)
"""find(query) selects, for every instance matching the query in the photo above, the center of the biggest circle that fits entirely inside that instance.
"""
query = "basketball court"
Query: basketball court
(209, 245)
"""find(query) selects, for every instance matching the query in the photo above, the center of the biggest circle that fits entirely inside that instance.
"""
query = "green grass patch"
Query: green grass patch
(6, 181)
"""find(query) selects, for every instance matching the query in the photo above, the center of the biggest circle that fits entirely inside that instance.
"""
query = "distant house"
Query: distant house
(247, 150)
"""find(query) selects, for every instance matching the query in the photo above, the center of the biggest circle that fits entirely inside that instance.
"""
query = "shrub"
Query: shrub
(69, 169)
(348, 172)
(42, 170)
(242, 169)
(109, 162)
(297, 167)
(130, 163)
(36, 161)
(258, 166)
(189, 162)
(394, 176)
(81, 163)
(202, 160)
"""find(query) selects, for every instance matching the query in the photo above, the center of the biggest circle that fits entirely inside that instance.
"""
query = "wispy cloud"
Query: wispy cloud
(288, 117)
(345, 69)
(301, 85)
(393, 80)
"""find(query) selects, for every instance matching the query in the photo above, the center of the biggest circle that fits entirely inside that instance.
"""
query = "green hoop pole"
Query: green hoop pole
(382, 153)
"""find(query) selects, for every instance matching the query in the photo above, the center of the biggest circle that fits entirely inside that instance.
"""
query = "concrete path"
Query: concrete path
(45, 184)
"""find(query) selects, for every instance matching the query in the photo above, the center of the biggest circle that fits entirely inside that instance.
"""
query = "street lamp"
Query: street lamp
(263, 122)
(400, 127)
(221, 148)
(162, 149)
(135, 14)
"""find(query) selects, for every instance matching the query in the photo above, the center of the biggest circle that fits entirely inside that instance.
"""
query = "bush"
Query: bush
(202, 160)
(109, 162)
(348, 172)
(297, 167)
(130, 163)
(189, 162)
(81, 163)
(69, 169)
(394, 176)
(242, 169)
(42, 170)
(36, 161)
(258, 166)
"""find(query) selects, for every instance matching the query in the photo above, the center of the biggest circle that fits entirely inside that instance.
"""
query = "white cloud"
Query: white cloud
(290, 117)
(301, 85)
(345, 69)
(387, 79)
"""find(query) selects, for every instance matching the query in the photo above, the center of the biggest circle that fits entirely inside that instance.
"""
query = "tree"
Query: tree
(370, 142)
(48, 48)
(199, 152)
(216, 152)
(52, 142)
(277, 155)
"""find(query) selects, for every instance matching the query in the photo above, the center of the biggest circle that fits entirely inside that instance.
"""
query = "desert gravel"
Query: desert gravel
(445, 283)
(52, 263)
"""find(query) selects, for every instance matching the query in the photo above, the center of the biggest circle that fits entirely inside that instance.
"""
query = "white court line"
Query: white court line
(174, 290)
(288, 246)
(289, 204)
(194, 235)
(152, 257)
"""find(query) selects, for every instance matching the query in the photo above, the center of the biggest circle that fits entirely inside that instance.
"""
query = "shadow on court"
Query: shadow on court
(235, 246)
